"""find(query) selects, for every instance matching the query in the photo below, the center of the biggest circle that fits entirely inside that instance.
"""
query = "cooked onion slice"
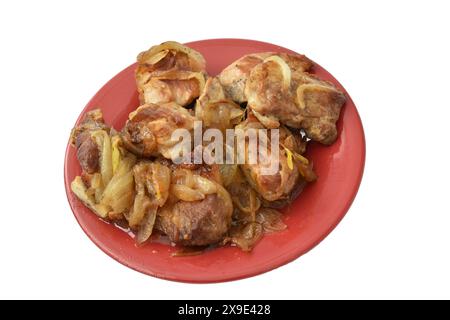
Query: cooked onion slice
(81, 191)
(149, 56)
(145, 229)
(102, 139)
(227, 173)
(245, 236)
(183, 75)
(157, 57)
(119, 192)
(141, 205)
(116, 153)
(294, 155)
(270, 219)
(191, 187)
(185, 193)
(204, 185)
(310, 87)
(284, 67)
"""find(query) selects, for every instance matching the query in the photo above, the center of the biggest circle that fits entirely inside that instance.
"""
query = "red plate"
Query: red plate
(309, 219)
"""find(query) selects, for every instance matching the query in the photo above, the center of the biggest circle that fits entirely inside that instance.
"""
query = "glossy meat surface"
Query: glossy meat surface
(148, 132)
(301, 101)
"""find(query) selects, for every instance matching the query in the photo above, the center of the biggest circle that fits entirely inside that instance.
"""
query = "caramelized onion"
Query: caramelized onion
(227, 173)
(204, 185)
(183, 176)
(116, 152)
(119, 191)
(158, 183)
(307, 171)
(245, 236)
(222, 114)
(245, 199)
(270, 220)
(188, 186)
(198, 62)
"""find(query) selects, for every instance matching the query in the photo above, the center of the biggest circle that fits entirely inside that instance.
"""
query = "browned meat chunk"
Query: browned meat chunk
(170, 72)
(233, 78)
(149, 129)
(274, 186)
(87, 150)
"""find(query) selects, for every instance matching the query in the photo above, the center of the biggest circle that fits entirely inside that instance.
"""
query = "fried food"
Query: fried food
(106, 184)
(279, 184)
(278, 95)
(148, 132)
(234, 77)
(170, 72)
(87, 152)
(199, 213)
(215, 109)
(152, 191)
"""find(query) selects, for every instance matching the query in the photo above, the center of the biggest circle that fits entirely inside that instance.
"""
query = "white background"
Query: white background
(392, 57)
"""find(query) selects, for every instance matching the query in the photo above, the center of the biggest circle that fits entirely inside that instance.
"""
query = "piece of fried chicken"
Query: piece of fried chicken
(170, 72)
(277, 93)
(148, 132)
(234, 77)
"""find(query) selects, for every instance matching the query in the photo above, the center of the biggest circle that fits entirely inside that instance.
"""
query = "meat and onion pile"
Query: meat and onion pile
(130, 178)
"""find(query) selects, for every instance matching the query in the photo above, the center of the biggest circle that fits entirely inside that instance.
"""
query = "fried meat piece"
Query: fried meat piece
(279, 94)
(148, 132)
(198, 212)
(170, 72)
(234, 77)
(215, 109)
(88, 153)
